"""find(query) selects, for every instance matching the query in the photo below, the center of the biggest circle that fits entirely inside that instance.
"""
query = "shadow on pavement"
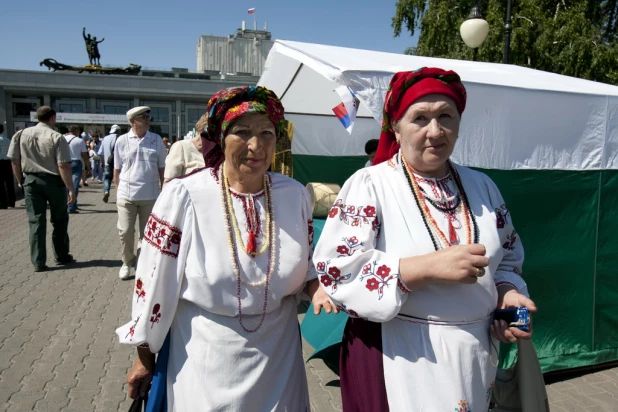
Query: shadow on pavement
(93, 263)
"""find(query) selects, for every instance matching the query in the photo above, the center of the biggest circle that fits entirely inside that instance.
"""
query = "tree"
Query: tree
(573, 37)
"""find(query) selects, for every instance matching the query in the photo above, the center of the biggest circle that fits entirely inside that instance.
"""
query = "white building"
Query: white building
(243, 53)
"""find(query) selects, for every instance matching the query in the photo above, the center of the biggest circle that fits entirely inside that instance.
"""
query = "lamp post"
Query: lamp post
(507, 33)
(474, 29)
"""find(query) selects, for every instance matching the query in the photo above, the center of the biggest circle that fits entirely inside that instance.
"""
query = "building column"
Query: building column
(135, 102)
(178, 115)
(3, 112)
(46, 100)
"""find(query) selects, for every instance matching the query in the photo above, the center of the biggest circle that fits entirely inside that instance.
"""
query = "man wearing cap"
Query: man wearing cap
(42, 155)
(106, 151)
(139, 163)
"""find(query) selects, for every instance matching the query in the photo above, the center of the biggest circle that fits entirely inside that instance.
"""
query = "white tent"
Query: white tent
(511, 112)
(550, 142)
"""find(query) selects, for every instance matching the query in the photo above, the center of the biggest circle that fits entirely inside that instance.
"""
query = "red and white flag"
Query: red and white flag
(251, 10)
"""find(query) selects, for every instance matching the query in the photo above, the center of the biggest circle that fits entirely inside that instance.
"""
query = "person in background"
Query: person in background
(7, 188)
(167, 144)
(79, 160)
(106, 152)
(86, 138)
(95, 159)
(42, 155)
(139, 163)
(370, 148)
(186, 156)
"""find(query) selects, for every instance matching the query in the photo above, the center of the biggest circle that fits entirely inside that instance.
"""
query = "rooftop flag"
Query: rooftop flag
(251, 10)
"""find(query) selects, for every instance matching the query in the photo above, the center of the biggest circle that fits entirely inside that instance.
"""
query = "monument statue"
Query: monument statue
(92, 47)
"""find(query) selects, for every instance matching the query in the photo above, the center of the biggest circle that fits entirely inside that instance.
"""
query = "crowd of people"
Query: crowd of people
(413, 251)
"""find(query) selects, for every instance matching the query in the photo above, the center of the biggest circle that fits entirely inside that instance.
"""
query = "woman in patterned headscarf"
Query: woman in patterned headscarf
(227, 252)
(419, 252)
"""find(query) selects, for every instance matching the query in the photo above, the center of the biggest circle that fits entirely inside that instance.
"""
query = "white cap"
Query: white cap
(136, 111)
(115, 128)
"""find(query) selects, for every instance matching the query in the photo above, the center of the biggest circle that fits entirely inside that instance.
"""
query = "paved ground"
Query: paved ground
(58, 350)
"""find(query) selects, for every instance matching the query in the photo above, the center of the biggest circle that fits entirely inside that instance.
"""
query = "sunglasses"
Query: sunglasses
(144, 116)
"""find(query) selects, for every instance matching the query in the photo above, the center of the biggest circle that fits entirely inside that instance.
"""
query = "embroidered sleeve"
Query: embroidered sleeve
(160, 269)
(509, 269)
(360, 279)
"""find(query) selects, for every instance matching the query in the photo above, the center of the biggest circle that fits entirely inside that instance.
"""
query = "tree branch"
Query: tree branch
(525, 18)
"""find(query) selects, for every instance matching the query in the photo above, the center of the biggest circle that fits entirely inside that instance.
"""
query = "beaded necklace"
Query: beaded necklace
(253, 223)
(229, 213)
(429, 221)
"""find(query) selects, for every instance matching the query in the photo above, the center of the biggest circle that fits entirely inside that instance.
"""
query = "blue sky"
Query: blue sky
(157, 33)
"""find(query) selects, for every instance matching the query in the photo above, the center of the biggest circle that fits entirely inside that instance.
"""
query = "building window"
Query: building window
(159, 114)
(107, 109)
(162, 130)
(24, 109)
(194, 115)
(71, 108)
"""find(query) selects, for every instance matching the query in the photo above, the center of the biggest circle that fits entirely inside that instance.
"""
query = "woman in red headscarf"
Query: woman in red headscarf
(226, 253)
(414, 253)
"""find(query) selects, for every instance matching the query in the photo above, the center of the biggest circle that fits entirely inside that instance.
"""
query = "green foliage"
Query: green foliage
(572, 37)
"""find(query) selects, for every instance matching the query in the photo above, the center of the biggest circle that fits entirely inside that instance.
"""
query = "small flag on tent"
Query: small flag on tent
(346, 110)
(251, 10)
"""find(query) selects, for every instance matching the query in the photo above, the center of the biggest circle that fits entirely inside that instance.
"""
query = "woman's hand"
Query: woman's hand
(140, 375)
(509, 297)
(319, 298)
(455, 264)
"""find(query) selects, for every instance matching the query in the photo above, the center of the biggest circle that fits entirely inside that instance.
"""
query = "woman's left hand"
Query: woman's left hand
(511, 298)
(319, 298)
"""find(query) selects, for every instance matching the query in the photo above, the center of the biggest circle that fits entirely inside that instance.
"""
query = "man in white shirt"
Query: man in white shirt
(105, 152)
(139, 163)
(371, 147)
(79, 159)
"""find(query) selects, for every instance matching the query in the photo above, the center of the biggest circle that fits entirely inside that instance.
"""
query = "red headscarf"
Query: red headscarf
(406, 88)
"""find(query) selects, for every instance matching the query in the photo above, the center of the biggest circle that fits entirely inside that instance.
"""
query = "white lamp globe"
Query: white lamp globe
(474, 32)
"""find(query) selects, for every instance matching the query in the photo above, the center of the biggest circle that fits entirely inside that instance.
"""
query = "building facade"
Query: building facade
(96, 101)
(242, 53)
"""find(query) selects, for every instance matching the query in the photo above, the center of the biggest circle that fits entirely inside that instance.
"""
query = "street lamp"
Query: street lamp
(507, 33)
(474, 29)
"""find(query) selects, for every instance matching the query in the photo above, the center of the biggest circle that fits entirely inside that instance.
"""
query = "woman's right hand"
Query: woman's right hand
(455, 264)
(140, 374)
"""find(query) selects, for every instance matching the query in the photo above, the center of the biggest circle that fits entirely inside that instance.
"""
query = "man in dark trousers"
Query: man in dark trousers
(42, 155)
(7, 188)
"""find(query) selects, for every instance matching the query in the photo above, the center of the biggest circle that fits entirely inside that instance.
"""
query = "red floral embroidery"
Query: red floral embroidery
(372, 284)
(352, 240)
(370, 211)
(141, 293)
(156, 314)
(383, 271)
(402, 286)
(355, 215)
(351, 246)
(343, 250)
(511, 239)
(331, 276)
(334, 272)
(379, 277)
(163, 236)
(132, 329)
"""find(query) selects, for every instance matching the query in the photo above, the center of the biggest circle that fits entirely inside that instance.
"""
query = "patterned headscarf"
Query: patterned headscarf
(407, 87)
(228, 105)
